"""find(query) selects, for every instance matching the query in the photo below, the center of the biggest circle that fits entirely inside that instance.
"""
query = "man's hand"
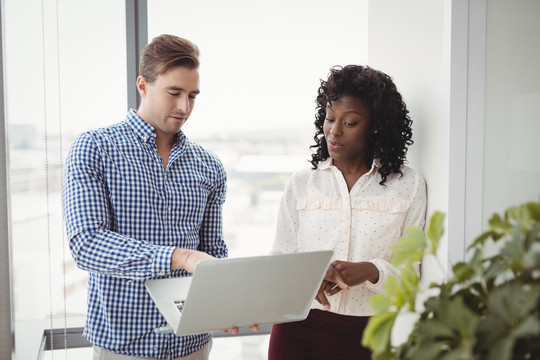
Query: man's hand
(186, 259)
(332, 280)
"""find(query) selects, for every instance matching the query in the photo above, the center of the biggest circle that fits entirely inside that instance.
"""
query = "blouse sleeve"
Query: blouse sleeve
(287, 222)
(415, 215)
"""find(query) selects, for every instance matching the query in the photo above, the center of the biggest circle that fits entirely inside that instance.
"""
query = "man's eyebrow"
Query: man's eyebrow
(176, 88)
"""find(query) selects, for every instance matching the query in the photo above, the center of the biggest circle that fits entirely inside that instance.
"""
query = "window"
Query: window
(93, 93)
(261, 62)
(261, 65)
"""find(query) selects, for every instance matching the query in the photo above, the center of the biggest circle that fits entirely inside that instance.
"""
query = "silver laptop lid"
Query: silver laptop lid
(241, 292)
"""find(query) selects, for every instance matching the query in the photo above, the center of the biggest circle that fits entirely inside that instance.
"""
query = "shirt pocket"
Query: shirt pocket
(382, 218)
(319, 203)
(317, 218)
(390, 205)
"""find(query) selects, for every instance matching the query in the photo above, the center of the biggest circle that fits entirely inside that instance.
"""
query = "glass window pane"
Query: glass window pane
(89, 82)
(261, 62)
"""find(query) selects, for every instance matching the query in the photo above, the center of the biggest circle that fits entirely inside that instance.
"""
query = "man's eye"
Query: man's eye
(193, 97)
(174, 94)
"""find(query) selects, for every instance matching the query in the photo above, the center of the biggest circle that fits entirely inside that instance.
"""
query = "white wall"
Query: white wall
(468, 70)
(408, 40)
(512, 123)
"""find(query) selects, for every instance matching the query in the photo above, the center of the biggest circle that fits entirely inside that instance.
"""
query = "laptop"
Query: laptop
(240, 292)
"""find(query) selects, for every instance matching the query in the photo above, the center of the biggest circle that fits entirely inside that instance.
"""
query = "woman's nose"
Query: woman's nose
(335, 129)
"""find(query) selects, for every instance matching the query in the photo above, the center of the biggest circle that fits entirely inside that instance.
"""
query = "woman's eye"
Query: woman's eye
(329, 120)
(350, 124)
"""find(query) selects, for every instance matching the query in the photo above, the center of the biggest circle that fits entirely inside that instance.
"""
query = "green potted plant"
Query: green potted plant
(488, 308)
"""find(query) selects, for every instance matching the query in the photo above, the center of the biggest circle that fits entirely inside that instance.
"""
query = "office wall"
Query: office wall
(469, 72)
(408, 41)
(512, 122)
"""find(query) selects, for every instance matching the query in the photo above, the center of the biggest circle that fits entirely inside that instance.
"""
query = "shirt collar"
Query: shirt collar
(144, 130)
(328, 163)
(140, 127)
(325, 164)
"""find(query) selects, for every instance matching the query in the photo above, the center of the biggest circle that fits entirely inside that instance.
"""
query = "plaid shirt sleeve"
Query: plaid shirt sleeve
(212, 227)
(90, 223)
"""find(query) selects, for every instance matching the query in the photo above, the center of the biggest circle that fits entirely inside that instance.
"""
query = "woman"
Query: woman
(357, 199)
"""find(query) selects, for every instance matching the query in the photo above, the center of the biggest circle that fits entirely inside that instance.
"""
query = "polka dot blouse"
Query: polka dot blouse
(317, 212)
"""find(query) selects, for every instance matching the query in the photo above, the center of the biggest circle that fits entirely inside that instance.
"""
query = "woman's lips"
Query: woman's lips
(334, 145)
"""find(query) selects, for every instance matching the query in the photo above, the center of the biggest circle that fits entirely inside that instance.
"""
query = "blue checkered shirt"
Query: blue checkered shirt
(125, 214)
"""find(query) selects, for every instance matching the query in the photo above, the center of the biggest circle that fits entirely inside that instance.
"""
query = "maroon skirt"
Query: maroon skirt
(322, 336)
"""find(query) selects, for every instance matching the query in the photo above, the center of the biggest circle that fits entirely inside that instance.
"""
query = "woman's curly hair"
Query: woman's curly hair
(389, 115)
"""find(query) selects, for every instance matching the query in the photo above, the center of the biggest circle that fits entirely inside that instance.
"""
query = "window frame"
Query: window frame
(7, 337)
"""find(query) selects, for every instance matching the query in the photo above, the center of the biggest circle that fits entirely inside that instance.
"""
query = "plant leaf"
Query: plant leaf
(501, 350)
(425, 350)
(436, 329)
(480, 240)
(435, 230)
(533, 235)
(410, 248)
(499, 226)
(462, 271)
(513, 301)
(534, 210)
(380, 303)
(386, 355)
(377, 333)
(529, 327)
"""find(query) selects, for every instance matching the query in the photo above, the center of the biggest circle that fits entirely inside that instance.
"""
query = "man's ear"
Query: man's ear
(142, 85)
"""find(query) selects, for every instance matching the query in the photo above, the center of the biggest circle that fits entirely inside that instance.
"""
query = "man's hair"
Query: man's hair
(165, 52)
(388, 112)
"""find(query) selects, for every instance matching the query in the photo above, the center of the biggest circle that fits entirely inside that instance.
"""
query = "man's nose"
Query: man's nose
(183, 104)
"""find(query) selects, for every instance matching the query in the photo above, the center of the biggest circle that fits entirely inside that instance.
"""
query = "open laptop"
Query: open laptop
(240, 292)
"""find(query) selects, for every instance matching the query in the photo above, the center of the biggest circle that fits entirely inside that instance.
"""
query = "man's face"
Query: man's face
(168, 101)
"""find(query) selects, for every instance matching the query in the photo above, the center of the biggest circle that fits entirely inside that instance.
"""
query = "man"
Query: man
(143, 201)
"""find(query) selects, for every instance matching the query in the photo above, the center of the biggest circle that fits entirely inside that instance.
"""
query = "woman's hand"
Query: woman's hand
(332, 279)
(352, 273)
(235, 330)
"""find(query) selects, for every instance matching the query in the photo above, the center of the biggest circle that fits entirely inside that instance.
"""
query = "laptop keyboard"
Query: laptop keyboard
(179, 304)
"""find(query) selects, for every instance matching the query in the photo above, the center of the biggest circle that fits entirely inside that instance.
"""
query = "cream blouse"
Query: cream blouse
(317, 212)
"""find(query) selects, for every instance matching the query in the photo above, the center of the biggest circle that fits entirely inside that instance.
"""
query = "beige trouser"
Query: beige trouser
(104, 354)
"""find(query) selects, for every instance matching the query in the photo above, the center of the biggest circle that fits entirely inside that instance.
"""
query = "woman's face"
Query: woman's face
(347, 129)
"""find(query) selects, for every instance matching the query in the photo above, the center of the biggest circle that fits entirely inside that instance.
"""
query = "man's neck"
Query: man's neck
(164, 144)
